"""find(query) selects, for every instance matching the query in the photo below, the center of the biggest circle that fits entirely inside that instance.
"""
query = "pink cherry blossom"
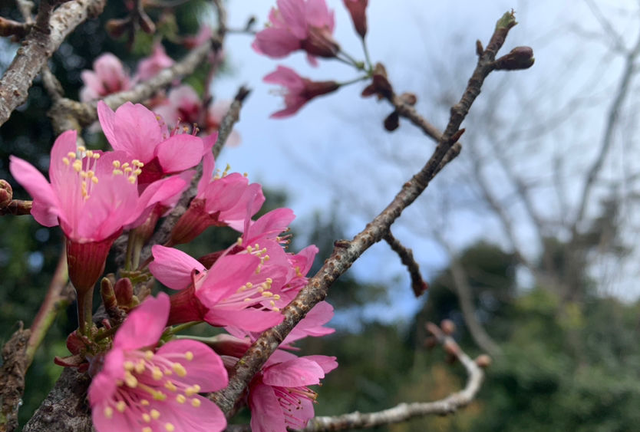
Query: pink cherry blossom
(229, 294)
(154, 64)
(357, 9)
(279, 395)
(222, 200)
(141, 388)
(298, 25)
(297, 90)
(108, 76)
(90, 199)
(138, 132)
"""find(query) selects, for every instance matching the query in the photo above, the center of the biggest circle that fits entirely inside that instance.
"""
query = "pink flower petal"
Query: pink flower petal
(294, 14)
(173, 267)
(266, 413)
(226, 276)
(252, 320)
(180, 152)
(300, 372)
(205, 368)
(275, 43)
(144, 326)
(327, 363)
(45, 208)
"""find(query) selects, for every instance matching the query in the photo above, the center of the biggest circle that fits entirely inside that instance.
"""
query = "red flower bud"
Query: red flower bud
(357, 9)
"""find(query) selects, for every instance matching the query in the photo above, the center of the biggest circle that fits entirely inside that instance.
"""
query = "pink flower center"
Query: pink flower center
(290, 399)
(148, 386)
(84, 166)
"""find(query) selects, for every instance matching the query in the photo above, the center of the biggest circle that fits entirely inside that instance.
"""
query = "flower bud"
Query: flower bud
(483, 361)
(518, 58)
(392, 122)
(357, 10)
(448, 327)
(124, 292)
(6, 194)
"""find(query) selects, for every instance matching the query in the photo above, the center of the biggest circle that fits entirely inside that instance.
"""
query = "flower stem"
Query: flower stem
(350, 60)
(366, 54)
(355, 80)
(85, 312)
(54, 301)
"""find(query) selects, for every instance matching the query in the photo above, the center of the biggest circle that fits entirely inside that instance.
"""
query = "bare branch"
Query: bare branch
(418, 285)
(346, 252)
(37, 48)
(14, 367)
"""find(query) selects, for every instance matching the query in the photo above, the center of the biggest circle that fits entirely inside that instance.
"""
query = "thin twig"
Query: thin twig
(345, 252)
(418, 285)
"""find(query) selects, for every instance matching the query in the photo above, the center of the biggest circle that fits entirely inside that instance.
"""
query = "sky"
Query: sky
(334, 157)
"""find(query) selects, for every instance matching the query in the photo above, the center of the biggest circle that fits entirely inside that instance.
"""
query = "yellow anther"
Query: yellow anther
(190, 391)
(130, 380)
(156, 373)
(84, 175)
(66, 161)
(188, 355)
(128, 365)
(239, 241)
(96, 155)
(195, 402)
(146, 418)
(77, 165)
(181, 399)
(159, 396)
(144, 402)
(121, 406)
(117, 172)
(248, 299)
(90, 174)
(179, 369)
(147, 429)
(71, 155)
(116, 164)
(276, 296)
(128, 170)
(138, 171)
(131, 179)
(148, 355)
(140, 366)
(267, 294)
(169, 427)
(140, 164)
(135, 162)
(250, 249)
(272, 303)
(275, 309)
(245, 175)
(126, 164)
(170, 386)
(94, 180)
(90, 153)
(249, 285)
(155, 414)
(108, 412)
(82, 149)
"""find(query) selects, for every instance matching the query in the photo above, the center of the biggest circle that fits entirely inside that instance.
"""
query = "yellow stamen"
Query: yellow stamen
(94, 180)
(146, 418)
(130, 380)
(128, 365)
(144, 402)
(170, 386)
(116, 164)
(66, 161)
(71, 155)
(179, 369)
(195, 402)
(132, 179)
(188, 355)
(77, 165)
(155, 414)
(169, 427)
(82, 149)
(190, 391)
(181, 399)
(108, 412)
(156, 373)
(121, 406)
(148, 355)
(147, 429)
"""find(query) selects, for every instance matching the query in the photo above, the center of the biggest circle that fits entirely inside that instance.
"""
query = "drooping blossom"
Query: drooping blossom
(91, 198)
(357, 9)
(297, 90)
(222, 200)
(183, 105)
(155, 63)
(229, 294)
(279, 395)
(139, 133)
(143, 389)
(298, 25)
(108, 76)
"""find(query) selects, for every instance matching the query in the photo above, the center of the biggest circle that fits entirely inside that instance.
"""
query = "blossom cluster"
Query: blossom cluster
(142, 380)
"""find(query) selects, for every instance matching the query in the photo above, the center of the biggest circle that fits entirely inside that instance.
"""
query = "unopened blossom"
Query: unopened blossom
(143, 389)
(357, 9)
(91, 197)
(298, 25)
(142, 135)
(297, 90)
(229, 294)
(108, 76)
(154, 64)
(279, 395)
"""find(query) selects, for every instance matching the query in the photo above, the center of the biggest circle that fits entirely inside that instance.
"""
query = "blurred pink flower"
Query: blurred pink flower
(357, 9)
(298, 25)
(154, 64)
(297, 90)
(108, 76)
(142, 389)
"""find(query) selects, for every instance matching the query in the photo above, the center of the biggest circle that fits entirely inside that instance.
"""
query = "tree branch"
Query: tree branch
(418, 285)
(37, 48)
(346, 253)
